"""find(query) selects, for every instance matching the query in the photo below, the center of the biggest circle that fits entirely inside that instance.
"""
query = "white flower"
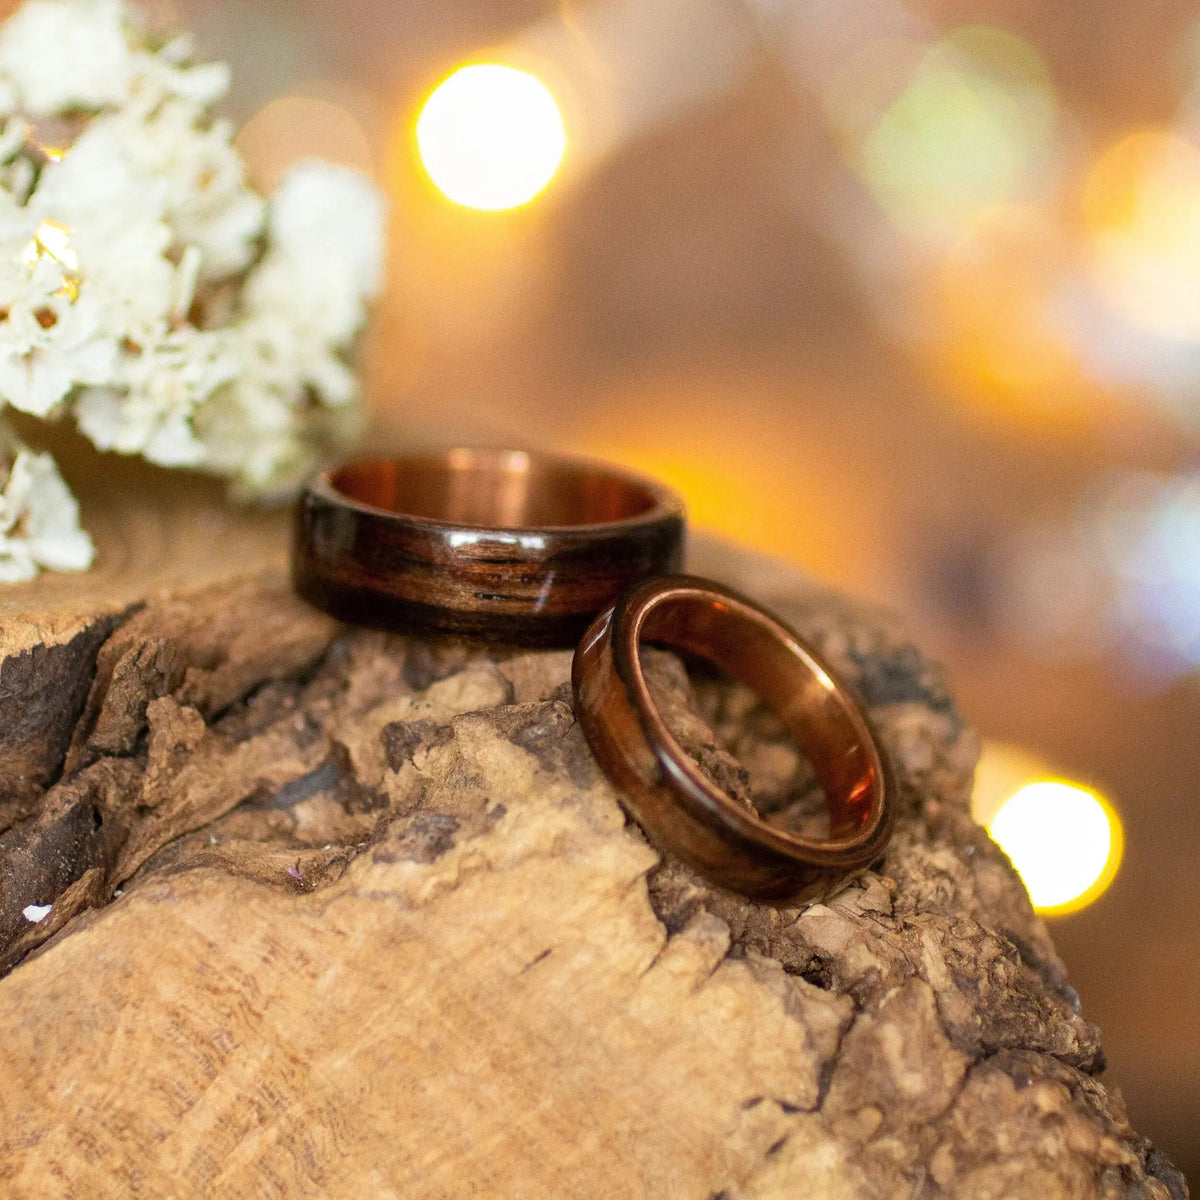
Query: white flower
(147, 291)
(210, 203)
(304, 304)
(60, 55)
(326, 253)
(50, 338)
(40, 366)
(286, 356)
(39, 521)
(124, 171)
(327, 213)
(256, 438)
(150, 413)
(265, 441)
(12, 134)
(170, 73)
(64, 54)
(119, 267)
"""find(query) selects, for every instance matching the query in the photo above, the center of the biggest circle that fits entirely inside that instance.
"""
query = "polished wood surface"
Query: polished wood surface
(511, 545)
(679, 806)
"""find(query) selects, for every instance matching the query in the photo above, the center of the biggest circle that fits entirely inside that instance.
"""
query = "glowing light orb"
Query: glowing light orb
(491, 137)
(1142, 206)
(1064, 840)
(975, 122)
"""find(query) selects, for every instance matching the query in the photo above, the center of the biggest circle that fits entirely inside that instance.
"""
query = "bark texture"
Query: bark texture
(343, 914)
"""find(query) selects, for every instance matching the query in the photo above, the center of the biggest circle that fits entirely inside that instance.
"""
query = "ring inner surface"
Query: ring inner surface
(812, 708)
(495, 490)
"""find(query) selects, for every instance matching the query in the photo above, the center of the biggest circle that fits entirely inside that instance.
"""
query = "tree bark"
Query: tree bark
(339, 913)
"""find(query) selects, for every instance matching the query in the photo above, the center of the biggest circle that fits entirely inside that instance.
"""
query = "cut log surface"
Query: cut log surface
(337, 913)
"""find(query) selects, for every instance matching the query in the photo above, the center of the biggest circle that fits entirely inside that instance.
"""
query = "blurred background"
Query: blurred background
(906, 292)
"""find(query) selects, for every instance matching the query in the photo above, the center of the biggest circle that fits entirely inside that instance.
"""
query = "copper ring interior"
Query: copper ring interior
(498, 489)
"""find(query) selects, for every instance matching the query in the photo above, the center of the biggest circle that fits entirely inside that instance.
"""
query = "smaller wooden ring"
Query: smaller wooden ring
(511, 545)
(680, 808)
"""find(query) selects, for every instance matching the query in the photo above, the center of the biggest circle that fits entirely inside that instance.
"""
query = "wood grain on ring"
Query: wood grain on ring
(513, 546)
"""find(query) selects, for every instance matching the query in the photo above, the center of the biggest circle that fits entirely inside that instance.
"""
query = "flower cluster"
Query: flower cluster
(146, 291)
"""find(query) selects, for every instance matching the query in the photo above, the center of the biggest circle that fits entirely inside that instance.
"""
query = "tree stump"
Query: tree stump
(338, 913)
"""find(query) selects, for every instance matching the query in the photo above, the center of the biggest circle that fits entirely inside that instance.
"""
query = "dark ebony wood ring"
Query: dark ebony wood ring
(510, 545)
(680, 807)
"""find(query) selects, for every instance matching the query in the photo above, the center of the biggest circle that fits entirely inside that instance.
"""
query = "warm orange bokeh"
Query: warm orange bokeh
(1141, 211)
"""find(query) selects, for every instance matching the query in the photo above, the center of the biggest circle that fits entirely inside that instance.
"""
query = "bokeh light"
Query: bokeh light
(996, 330)
(491, 137)
(1064, 839)
(1145, 530)
(294, 128)
(1141, 207)
(1065, 842)
(1003, 769)
(863, 87)
(1121, 579)
(729, 454)
(972, 128)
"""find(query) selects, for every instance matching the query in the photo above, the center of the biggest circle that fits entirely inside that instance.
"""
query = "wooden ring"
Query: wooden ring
(511, 545)
(678, 806)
